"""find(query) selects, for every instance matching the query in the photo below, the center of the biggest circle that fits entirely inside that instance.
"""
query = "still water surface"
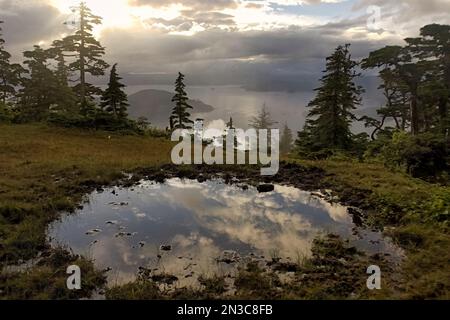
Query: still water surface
(200, 224)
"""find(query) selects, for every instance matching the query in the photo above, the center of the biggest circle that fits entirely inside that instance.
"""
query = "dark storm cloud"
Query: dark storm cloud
(290, 58)
(29, 22)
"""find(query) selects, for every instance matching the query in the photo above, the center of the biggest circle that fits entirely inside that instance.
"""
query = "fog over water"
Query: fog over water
(242, 105)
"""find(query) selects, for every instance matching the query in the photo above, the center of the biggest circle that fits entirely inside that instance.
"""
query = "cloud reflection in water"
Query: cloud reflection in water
(199, 221)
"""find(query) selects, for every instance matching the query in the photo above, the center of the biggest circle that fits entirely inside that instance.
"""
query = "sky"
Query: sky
(262, 45)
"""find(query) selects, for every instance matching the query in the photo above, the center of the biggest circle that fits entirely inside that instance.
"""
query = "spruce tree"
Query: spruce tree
(10, 74)
(263, 120)
(62, 69)
(433, 50)
(66, 96)
(180, 118)
(114, 99)
(395, 89)
(40, 90)
(230, 124)
(286, 140)
(328, 122)
(87, 52)
(403, 76)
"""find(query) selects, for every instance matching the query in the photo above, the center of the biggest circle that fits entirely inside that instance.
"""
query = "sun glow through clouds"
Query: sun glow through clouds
(115, 13)
(120, 14)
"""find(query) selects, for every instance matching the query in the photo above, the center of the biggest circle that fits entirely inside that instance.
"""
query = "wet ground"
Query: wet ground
(186, 228)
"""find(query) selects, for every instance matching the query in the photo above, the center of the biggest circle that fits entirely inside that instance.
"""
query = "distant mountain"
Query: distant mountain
(156, 106)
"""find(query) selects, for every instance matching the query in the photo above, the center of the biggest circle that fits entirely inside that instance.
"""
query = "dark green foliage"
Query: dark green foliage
(46, 96)
(47, 279)
(7, 113)
(180, 118)
(42, 91)
(10, 74)
(88, 53)
(401, 80)
(114, 99)
(433, 50)
(424, 155)
(375, 146)
(416, 82)
(143, 123)
(62, 71)
(328, 121)
(394, 89)
(98, 120)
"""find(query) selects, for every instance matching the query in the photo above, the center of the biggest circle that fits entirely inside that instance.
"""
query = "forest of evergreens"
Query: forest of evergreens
(63, 138)
(410, 132)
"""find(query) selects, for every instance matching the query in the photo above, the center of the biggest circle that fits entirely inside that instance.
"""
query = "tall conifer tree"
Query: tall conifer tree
(286, 140)
(180, 118)
(87, 53)
(114, 99)
(40, 90)
(10, 74)
(328, 122)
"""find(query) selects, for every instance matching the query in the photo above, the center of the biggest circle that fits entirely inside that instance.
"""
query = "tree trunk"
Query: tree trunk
(82, 66)
(443, 114)
(414, 115)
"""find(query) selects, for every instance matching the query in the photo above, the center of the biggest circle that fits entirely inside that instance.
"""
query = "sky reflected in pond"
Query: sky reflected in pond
(124, 228)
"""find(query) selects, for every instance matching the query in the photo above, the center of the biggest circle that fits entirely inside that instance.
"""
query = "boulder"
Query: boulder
(266, 187)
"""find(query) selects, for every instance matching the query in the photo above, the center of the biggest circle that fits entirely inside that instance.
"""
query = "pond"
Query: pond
(187, 228)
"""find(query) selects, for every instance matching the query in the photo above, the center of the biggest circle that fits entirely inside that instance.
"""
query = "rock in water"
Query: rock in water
(265, 188)
(165, 248)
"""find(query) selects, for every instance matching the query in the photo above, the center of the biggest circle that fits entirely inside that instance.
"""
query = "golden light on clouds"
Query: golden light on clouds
(120, 14)
(115, 13)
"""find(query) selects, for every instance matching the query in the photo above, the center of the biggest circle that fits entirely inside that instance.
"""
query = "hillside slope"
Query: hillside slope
(156, 105)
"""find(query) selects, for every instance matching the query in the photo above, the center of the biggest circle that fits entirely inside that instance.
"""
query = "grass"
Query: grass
(46, 170)
(46, 280)
(413, 212)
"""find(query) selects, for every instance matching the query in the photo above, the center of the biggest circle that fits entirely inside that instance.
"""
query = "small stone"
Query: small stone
(93, 231)
(165, 248)
(265, 188)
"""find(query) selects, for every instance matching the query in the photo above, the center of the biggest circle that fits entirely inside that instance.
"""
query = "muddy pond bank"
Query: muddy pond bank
(130, 227)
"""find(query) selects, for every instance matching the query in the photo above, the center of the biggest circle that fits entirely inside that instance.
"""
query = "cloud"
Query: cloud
(194, 4)
(248, 43)
(288, 59)
(29, 22)
(405, 17)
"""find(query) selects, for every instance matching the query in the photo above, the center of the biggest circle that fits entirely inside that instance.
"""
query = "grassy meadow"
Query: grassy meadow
(45, 171)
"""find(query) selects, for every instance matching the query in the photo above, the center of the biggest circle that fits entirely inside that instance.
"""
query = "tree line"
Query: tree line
(412, 129)
(52, 84)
